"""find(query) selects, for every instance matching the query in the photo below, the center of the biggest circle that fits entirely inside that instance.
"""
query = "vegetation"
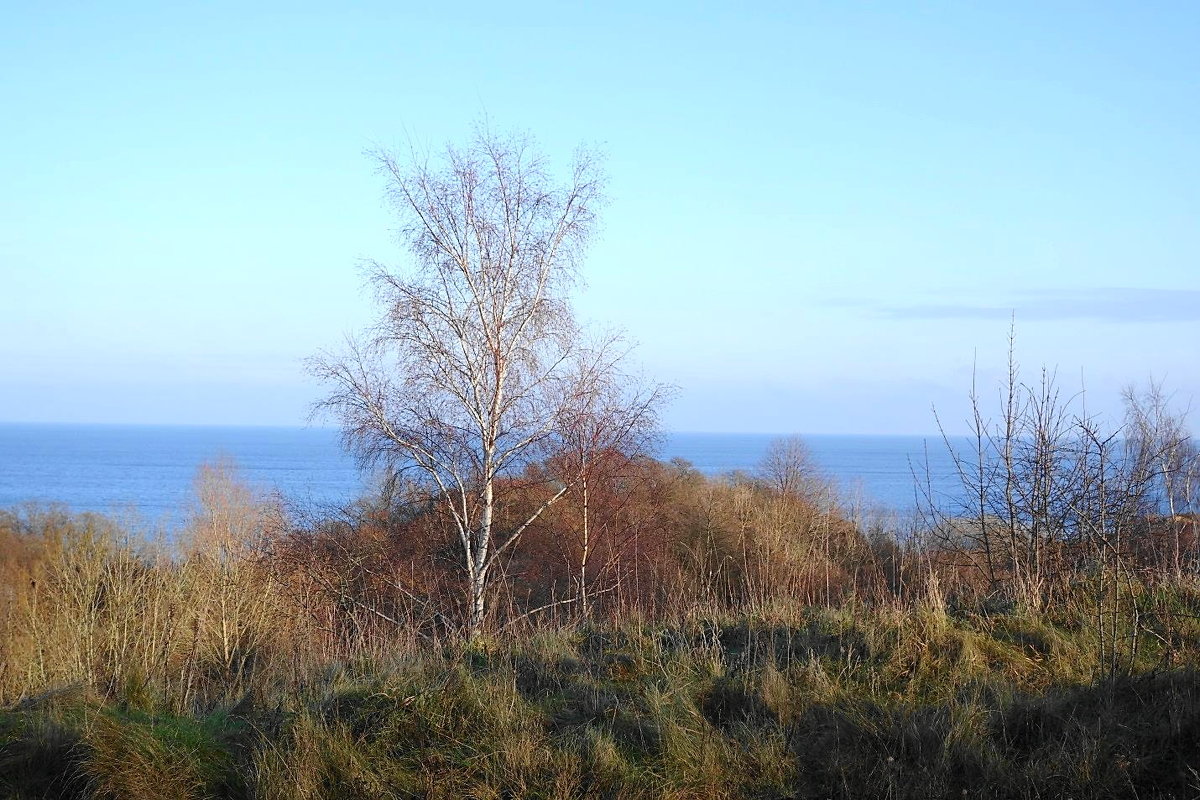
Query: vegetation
(477, 368)
(745, 639)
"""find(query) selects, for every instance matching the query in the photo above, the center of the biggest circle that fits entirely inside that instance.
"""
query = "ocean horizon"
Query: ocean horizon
(147, 471)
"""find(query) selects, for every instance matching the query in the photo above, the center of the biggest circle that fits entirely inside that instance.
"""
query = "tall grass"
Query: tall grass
(825, 703)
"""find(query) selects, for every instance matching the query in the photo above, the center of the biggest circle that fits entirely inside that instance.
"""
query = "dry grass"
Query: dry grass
(823, 705)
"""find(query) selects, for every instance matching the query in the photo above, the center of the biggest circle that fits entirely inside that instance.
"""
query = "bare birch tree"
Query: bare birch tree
(1158, 439)
(611, 418)
(465, 378)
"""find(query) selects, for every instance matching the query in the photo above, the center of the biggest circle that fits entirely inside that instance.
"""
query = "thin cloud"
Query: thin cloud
(1115, 304)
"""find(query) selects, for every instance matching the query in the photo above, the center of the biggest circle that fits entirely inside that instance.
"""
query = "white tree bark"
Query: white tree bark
(471, 369)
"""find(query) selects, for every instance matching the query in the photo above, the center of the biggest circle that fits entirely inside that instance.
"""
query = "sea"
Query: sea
(147, 472)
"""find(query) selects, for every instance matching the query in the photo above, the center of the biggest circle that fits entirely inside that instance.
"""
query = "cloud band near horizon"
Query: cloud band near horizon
(1122, 305)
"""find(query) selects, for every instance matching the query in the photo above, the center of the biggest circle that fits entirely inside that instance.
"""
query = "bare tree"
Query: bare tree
(229, 518)
(474, 365)
(231, 593)
(1157, 438)
(788, 467)
(612, 419)
(1019, 477)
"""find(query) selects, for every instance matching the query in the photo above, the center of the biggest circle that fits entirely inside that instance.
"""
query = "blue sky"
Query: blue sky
(821, 217)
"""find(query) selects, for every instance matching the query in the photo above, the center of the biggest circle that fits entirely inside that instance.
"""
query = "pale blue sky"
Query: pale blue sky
(820, 214)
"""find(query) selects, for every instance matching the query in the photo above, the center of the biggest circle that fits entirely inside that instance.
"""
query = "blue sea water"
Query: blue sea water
(149, 469)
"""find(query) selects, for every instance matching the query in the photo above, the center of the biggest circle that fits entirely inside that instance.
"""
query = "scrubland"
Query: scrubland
(741, 637)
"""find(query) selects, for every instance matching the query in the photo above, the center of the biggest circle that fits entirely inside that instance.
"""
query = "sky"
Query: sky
(822, 217)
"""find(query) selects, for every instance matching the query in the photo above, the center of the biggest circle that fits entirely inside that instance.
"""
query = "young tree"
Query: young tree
(788, 468)
(1159, 441)
(472, 367)
(611, 419)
